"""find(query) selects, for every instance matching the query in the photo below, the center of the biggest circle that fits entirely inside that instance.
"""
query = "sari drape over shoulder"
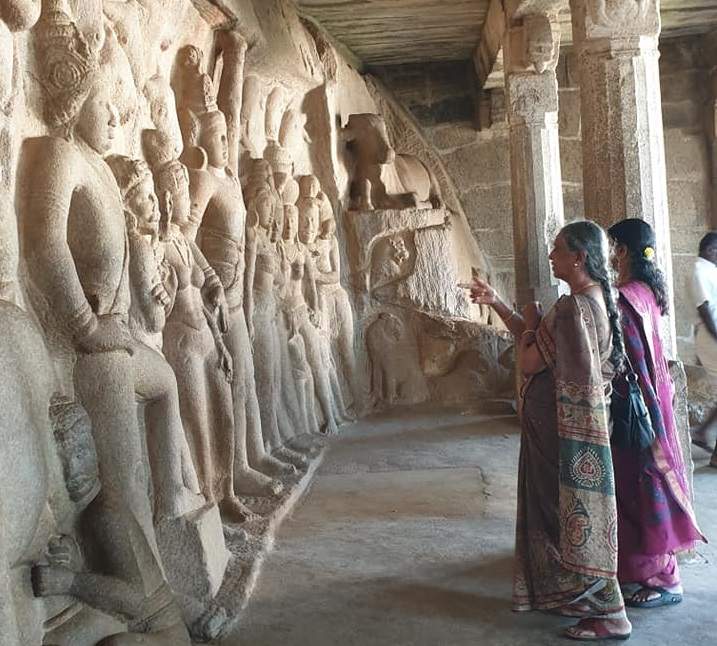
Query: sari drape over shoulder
(655, 514)
(566, 533)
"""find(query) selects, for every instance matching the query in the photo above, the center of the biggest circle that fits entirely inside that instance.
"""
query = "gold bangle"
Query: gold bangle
(513, 314)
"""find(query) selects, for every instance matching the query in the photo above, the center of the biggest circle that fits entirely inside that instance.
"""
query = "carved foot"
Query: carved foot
(287, 454)
(232, 510)
(274, 466)
(51, 580)
(307, 444)
(178, 503)
(253, 483)
(173, 636)
(329, 428)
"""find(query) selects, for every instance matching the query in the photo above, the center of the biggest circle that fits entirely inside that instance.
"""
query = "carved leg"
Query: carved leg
(156, 384)
(119, 521)
(247, 417)
(191, 354)
(320, 373)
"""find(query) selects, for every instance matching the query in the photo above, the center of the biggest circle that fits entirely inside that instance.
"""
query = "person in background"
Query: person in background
(566, 533)
(704, 293)
(655, 515)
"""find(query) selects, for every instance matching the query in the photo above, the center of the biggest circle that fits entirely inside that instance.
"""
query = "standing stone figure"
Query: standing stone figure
(218, 203)
(336, 313)
(309, 206)
(303, 321)
(174, 479)
(193, 335)
(15, 16)
(76, 250)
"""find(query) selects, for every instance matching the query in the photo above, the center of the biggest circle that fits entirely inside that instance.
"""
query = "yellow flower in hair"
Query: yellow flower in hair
(649, 253)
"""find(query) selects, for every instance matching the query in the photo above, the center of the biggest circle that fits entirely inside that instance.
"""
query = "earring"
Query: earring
(576, 264)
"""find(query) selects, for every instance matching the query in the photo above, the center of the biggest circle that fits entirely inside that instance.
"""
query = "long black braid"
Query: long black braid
(638, 237)
(589, 237)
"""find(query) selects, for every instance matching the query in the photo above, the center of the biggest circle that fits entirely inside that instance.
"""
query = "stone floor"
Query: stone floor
(406, 537)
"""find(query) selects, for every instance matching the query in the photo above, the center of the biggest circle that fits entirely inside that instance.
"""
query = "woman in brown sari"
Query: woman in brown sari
(566, 529)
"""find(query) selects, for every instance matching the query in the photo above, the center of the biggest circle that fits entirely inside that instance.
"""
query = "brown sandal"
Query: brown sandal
(598, 629)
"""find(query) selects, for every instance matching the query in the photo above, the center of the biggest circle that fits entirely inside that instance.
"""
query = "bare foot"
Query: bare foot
(178, 503)
(329, 428)
(274, 467)
(232, 510)
(284, 453)
(249, 482)
(173, 636)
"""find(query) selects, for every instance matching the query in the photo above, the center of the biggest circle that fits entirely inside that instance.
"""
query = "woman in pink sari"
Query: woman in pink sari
(655, 516)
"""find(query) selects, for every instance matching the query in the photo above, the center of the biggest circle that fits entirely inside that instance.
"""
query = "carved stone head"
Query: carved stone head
(171, 178)
(367, 137)
(212, 138)
(262, 208)
(67, 65)
(72, 430)
(541, 43)
(136, 185)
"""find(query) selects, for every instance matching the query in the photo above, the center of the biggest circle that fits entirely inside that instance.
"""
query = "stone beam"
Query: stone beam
(487, 52)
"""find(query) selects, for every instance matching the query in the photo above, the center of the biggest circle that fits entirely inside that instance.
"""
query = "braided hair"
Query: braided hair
(638, 237)
(586, 236)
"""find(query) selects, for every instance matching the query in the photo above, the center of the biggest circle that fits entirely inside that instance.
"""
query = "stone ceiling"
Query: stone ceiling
(387, 32)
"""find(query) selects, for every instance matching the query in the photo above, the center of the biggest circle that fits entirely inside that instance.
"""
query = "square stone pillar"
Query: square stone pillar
(532, 44)
(623, 141)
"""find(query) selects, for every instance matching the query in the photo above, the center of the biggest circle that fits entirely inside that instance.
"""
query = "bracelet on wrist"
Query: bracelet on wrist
(527, 332)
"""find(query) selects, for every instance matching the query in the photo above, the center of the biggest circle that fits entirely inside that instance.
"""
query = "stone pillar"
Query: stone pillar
(532, 44)
(623, 143)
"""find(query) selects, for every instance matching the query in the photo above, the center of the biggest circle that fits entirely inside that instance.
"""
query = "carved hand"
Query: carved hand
(109, 335)
(64, 551)
(226, 364)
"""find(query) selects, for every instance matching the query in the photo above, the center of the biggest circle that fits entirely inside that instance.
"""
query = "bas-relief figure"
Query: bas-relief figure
(76, 249)
(309, 312)
(218, 203)
(192, 337)
(336, 312)
(153, 285)
(15, 16)
(381, 179)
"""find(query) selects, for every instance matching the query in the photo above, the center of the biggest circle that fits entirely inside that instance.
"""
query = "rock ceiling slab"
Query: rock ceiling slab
(385, 32)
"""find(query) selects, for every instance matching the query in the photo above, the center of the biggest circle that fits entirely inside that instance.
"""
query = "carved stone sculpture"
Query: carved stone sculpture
(229, 96)
(218, 203)
(75, 244)
(267, 342)
(382, 179)
(65, 572)
(335, 306)
(15, 15)
(308, 321)
(26, 437)
(175, 484)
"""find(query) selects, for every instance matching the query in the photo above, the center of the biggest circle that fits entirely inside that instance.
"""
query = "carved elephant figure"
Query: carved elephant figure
(381, 178)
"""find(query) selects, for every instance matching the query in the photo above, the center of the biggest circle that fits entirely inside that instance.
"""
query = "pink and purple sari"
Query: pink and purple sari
(655, 515)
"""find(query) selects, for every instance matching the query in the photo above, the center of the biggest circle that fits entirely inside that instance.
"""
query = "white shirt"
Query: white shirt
(704, 285)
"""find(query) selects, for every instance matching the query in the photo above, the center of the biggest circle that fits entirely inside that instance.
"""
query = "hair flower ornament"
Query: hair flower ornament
(649, 253)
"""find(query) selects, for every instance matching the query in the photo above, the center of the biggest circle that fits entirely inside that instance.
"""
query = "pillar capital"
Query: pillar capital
(615, 20)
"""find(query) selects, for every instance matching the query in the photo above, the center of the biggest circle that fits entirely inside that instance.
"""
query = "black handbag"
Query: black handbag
(631, 423)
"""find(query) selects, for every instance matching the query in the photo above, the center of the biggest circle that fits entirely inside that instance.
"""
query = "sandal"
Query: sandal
(575, 611)
(665, 599)
(593, 630)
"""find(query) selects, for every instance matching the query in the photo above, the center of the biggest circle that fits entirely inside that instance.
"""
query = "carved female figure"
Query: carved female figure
(334, 303)
(303, 321)
(175, 484)
(218, 203)
(193, 341)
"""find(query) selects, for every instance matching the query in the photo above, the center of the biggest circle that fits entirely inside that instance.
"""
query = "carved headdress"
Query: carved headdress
(68, 66)
(128, 172)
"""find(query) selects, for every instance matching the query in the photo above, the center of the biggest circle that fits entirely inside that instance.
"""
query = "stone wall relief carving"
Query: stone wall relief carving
(381, 179)
(77, 256)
